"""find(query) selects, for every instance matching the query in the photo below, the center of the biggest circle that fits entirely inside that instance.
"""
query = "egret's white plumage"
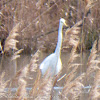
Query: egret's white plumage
(53, 62)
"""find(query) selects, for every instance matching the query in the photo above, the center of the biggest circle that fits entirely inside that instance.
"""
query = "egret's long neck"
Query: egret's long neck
(59, 43)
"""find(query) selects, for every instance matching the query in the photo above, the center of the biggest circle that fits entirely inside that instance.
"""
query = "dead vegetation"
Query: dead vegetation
(43, 86)
(40, 20)
(27, 29)
(3, 85)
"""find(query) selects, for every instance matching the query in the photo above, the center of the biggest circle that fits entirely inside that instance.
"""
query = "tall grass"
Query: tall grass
(32, 21)
(3, 85)
(41, 18)
(43, 86)
(10, 42)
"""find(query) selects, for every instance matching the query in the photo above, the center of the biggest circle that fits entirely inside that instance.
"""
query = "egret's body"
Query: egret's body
(49, 63)
(53, 62)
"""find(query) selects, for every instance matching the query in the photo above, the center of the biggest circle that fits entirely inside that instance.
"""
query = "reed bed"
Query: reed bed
(23, 34)
(11, 41)
(3, 85)
(42, 21)
(73, 81)
(43, 86)
(45, 89)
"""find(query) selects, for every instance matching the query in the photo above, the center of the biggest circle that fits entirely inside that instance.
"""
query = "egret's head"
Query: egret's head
(63, 21)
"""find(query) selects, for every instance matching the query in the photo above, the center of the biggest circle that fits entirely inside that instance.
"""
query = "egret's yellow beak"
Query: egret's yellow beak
(65, 24)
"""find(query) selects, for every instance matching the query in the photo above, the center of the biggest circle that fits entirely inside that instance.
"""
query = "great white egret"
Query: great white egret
(53, 61)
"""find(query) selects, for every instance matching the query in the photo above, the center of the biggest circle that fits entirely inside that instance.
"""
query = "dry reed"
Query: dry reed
(16, 54)
(95, 90)
(11, 41)
(93, 67)
(39, 20)
(44, 17)
(21, 93)
(33, 65)
(3, 85)
(22, 74)
(45, 88)
(72, 35)
(93, 61)
(73, 85)
(73, 57)
(73, 88)
(89, 5)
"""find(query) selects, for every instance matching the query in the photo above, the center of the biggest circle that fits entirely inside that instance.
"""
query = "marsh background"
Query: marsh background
(27, 26)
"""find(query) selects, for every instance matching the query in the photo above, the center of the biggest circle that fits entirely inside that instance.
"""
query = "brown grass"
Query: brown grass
(3, 85)
(11, 41)
(39, 24)
(73, 89)
(72, 35)
(31, 67)
(45, 89)
(21, 76)
(93, 60)
(93, 67)
(73, 86)
(95, 91)
(21, 91)
(44, 18)
(43, 86)
(16, 54)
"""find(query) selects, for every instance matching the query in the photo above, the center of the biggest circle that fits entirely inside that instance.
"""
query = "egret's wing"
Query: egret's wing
(48, 63)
